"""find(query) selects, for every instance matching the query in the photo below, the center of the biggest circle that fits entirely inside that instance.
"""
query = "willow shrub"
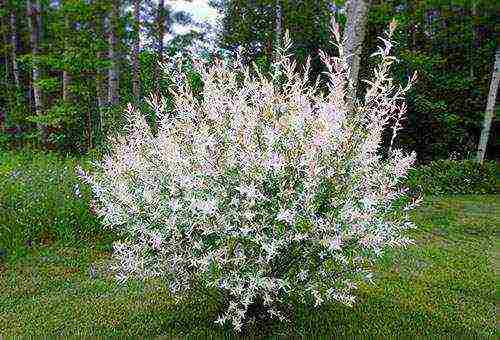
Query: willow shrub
(263, 186)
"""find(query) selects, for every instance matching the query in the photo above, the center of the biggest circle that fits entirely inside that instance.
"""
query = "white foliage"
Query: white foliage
(263, 187)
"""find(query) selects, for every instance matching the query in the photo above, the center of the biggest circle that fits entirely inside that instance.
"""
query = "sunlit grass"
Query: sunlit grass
(445, 284)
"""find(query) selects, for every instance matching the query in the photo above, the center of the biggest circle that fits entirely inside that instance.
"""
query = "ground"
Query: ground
(445, 284)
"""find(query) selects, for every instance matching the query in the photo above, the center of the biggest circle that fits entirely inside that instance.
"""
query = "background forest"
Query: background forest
(68, 67)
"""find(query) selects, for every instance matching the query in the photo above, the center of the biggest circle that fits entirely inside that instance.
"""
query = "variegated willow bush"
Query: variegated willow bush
(264, 186)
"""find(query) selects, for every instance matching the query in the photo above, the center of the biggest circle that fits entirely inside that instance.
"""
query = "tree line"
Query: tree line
(69, 66)
(450, 43)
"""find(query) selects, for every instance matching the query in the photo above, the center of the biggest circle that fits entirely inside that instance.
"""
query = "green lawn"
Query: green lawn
(444, 285)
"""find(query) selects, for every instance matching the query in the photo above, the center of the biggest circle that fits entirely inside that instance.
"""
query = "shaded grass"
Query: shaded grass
(444, 285)
(42, 201)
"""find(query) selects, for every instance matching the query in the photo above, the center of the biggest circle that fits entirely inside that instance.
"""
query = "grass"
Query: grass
(42, 201)
(445, 285)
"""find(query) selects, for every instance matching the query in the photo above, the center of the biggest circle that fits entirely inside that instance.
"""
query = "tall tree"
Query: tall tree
(135, 50)
(4, 62)
(35, 26)
(14, 46)
(160, 22)
(473, 38)
(66, 72)
(113, 73)
(354, 34)
(161, 19)
(278, 28)
(98, 27)
(490, 108)
(247, 24)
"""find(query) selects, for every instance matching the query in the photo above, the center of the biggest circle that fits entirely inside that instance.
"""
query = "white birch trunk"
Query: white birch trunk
(35, 28)
(354, 34)
(13, 42)
(490, 108)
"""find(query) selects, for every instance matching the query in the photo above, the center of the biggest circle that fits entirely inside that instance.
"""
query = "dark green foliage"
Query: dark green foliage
(42, 201)
(454, 177)
(451, 45)
(251, 25)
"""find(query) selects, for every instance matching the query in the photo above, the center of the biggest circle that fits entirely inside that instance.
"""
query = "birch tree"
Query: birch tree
(35, 25)
(113, 73)
(278, 28)
(354, 34)
(490, 108)
(14, 44)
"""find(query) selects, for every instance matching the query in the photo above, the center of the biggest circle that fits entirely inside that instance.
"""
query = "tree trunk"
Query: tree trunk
(99, 28)
(101, 91)
(490, 108)
(101, 102)
(161, 28)
(354, 35)
(348, 7)
(66, 73)
(35, 24)
(413, 30)
(135, 51)
(113, 75)
(160, 36)
(14, 44)
(278, 29)
(5, 62)
(66, 83)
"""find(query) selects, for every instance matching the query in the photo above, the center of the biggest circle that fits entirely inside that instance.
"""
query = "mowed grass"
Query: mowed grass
(444, 285)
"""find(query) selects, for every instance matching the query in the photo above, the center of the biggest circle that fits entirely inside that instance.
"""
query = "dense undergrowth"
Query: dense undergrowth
(42, 201)
(454, 177)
